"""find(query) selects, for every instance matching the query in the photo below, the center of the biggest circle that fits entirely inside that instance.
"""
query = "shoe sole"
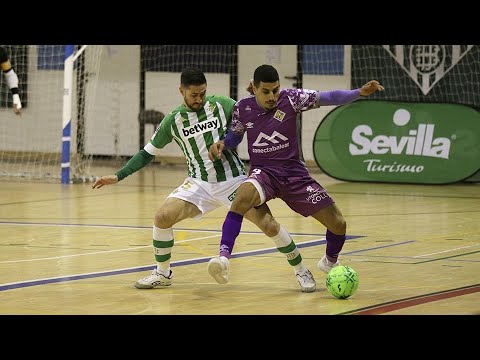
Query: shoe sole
(309, 290)
(215, 270)
(143, 286)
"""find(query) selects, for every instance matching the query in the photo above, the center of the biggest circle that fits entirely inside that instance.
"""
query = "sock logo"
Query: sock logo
(291, 256)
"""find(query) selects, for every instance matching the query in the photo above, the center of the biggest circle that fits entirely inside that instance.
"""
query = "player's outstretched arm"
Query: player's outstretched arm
(136, 162)
(105, 180)
(215, 151)
(370, 87)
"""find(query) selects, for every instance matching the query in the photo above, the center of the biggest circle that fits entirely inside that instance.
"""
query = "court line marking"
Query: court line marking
(445, 251)
(44, 281)
(101, 252)
(370, 310)
(379, 309)
(131, 227)
(218, 232)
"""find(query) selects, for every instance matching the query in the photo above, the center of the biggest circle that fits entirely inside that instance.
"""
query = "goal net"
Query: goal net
(421, 73)
(31, 145)
(117, 95)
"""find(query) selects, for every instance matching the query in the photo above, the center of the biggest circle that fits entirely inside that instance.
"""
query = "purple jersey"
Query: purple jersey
(272, 136)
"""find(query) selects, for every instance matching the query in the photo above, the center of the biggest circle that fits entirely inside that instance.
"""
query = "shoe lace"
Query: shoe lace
(153, 275)
(305, 276)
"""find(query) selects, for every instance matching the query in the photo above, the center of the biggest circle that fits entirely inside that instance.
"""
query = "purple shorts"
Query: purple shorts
(302, 194)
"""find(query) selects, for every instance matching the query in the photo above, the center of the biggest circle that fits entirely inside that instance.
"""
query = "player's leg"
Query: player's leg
(246, 197)
(263, 218)
(250, 201)
(308, 198)
(174, 209)
(332, 218)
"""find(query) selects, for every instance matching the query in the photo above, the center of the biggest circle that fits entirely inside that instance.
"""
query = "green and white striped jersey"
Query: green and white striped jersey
(194, 132)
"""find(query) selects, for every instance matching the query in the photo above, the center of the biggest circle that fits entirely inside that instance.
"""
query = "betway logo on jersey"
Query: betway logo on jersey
(201, 127)
(266, 143)
(418, 142)
(397, 142)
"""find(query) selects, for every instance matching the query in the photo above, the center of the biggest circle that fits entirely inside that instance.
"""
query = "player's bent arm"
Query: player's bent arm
(12, 82)
(10, 77)
(232, 140)
(233, 137)
(215, 150)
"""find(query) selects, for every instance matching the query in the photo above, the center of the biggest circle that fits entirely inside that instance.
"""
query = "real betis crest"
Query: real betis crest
(211, 107)
(427, 64)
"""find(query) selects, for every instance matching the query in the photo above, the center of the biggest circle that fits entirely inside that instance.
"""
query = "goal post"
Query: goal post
(57, 86)
(83, 105)
(81, 73)
(67, 113)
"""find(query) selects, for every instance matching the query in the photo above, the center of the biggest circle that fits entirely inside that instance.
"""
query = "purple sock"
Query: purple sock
(230, 230)
(334, 245)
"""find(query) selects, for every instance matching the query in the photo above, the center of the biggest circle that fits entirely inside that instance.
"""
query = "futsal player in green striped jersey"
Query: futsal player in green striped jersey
(195, 125)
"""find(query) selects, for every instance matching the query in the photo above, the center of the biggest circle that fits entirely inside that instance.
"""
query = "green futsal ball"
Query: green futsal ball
(342, 281)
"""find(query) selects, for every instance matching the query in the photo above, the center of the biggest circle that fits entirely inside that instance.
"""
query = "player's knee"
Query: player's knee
(163, 220)
(245, 198)
(246, 191)
(271, 227)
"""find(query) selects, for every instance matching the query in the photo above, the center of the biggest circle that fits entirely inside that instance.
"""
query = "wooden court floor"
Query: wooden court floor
(69, 249)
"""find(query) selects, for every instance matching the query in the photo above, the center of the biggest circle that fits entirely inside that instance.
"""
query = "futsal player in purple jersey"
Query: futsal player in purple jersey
(269, 119)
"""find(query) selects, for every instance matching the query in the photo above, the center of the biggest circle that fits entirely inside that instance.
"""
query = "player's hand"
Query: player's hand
(215, 151)
(17, 104)
(105, 180)
(370, 87)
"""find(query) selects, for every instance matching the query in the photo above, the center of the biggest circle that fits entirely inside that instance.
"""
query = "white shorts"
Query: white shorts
(208, 196)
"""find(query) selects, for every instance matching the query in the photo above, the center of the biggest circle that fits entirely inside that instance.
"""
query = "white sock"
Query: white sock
(283, 239)
(163, 235)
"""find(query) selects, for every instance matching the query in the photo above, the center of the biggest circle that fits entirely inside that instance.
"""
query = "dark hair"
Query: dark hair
(192, 76)
(265, 73)
(3, 55)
